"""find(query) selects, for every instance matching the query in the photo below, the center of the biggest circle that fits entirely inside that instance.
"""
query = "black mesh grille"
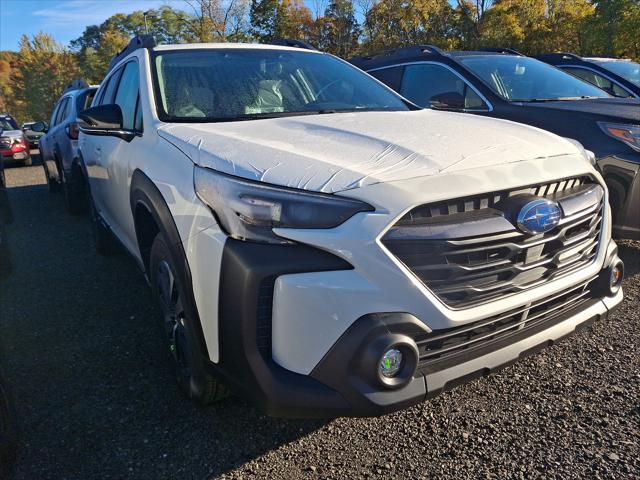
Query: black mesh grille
(265, 308)
(467, 271)
(442, 345)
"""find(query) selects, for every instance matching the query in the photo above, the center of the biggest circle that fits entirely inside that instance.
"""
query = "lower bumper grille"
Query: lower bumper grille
(442, 348)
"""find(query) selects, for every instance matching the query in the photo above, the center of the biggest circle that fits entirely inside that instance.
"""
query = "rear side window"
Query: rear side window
(108, 92)
(61, 113)
(83, 101)
(389, 76)
(127, 96)
(598, 80)
(424, 81)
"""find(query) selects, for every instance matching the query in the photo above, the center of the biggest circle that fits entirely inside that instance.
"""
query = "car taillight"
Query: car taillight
(72, 130)
(19, 146)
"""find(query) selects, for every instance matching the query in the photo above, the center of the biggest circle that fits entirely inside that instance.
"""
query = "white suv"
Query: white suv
(322, 246)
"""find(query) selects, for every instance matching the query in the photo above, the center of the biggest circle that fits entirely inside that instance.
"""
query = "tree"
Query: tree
(220, 21)
(42, 69)
(392, 23)
(273, 19)
(341, 29)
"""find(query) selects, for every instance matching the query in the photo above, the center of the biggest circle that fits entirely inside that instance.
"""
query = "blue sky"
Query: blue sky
(64, 19)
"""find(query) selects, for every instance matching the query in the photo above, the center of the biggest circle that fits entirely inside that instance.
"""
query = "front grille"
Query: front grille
(442, 348)
(468, 251)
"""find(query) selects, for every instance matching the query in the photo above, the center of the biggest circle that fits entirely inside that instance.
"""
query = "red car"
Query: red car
(13, 144)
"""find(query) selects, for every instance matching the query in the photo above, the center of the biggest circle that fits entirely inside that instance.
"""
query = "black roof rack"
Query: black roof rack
(137, 42)
(561, 55)
(75, 85)
(412, 51)
(509, 51)
(291, 42)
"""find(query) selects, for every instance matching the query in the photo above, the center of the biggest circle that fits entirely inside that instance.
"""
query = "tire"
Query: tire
(104, 242)
(74, 194)
(179, 330)
(54, 186)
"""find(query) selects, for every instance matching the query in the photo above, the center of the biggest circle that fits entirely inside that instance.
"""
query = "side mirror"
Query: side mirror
(40, 127)
(446, 100)
(104, 120)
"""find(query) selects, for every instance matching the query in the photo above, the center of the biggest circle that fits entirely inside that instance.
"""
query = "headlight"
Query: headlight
(250, 210)
(629, 134)
(588, 154)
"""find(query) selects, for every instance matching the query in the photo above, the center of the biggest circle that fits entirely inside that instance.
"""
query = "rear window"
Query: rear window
(83, 101)
(8, 123)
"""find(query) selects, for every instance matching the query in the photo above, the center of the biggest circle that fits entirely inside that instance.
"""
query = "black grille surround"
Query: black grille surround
(468, 251)
(441, 349)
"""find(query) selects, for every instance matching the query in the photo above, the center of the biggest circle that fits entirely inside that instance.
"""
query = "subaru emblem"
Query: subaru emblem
(539, 216)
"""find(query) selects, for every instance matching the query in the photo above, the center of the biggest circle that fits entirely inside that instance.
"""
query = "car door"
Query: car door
(116, 155)
(48, 146)
(45, 142)
(59, 133)
(90, 147)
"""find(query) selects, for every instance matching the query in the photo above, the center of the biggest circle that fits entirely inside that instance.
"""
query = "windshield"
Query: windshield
(627, 70)
(7, 124)
(522, 79)
(247, 84)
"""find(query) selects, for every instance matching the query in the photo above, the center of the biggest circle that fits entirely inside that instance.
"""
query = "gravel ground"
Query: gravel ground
(96, 399)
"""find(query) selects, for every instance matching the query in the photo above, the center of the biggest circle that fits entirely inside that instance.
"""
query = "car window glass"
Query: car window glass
(83, 101)
(109, 91)
(389, 76)
(266, 83)
(422, 82)
(127, 95)
(138, 127)
(624, 68)
(60, 114)
(523, 79)
(598, 80)
(52, 120)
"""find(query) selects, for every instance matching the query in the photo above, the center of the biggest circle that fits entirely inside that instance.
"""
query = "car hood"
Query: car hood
(335, 152)
(624, 109)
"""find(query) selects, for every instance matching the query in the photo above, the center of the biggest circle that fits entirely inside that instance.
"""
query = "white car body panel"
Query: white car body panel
(335, 152)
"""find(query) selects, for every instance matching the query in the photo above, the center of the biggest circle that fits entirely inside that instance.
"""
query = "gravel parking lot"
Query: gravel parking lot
(82, 348)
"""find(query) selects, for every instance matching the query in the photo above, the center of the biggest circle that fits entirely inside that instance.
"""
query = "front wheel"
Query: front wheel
(179, 329)
(74, 195)
(54, 186)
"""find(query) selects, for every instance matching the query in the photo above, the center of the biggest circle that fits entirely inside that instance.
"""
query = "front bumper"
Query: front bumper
(339, 384)
(623, 180)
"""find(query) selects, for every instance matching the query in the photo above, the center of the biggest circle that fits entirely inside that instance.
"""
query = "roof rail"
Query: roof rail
(137, 42)
(292, 42)
(509, 51)
(411, 51)
(563, 55)
(75, 85)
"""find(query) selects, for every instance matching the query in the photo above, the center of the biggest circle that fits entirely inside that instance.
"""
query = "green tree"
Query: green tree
(40, 73)
(340, 28)
(393, 23)
(273, 19)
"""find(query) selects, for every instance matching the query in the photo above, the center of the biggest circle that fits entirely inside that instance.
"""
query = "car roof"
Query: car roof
(606, 59)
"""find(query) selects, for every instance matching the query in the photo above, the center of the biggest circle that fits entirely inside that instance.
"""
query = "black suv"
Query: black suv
(619, 77)
(508, 85)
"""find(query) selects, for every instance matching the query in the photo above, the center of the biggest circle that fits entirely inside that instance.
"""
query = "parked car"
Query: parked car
(325, 247)
(13, 143)
(59, 146)
(504, 84)
(32, 137)
(618, 77)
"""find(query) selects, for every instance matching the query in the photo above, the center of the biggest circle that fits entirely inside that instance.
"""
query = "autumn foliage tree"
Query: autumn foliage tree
(41, 70)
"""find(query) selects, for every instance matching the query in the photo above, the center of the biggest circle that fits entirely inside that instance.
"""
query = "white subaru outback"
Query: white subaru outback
(325, 248)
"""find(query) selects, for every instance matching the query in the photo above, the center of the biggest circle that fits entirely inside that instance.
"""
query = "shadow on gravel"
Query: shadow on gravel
(630, 255)
(92, 382)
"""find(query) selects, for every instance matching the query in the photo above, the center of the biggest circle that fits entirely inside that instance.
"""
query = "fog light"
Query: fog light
(391, 363)
(617, 274)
